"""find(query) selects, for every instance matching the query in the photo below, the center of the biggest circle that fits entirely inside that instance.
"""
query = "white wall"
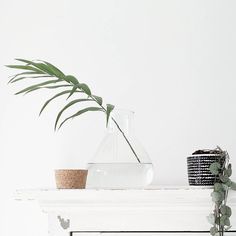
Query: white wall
(172, 62)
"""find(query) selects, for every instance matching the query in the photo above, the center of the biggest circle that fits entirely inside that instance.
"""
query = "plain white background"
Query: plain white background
(172, 62)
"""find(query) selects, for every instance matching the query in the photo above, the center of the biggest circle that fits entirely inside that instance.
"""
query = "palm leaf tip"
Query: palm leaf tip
(24, 67)
(110, 108)
(73, 90)
(98, 99)
(28, 62)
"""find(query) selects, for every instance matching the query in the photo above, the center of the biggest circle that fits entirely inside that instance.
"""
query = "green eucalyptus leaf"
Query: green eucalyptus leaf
(226, 210)
(67, 106)
(218, 187)
(217, 220)
(213, 231)
(85, 88)
(71, 79)
(225, 187)
(211, 219)
(217, 196)
(228, 228)
(224, 220)
(109, 110)
(228, 183)
(233, 185)
(227, 222)
(214, 168)
(81, 112)
(224, 178)
(228, 171)
(38, 85)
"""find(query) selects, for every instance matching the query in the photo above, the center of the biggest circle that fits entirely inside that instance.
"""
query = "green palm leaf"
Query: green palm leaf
(71, 79)
(23, 67)
(40, 66)
(58, 73)
(85, 88)
(73, 90)
(98, 99)
(109, 110)
(57, 86)
(25, 73)
(48, 87)
(34, 69)
(32, 77)
(67, 106)
(28, 62)
(45, 66)
(55, 96)
(38, 85)
(80, 113)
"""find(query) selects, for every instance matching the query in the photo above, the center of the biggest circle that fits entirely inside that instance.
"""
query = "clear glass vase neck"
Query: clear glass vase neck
(121, 120)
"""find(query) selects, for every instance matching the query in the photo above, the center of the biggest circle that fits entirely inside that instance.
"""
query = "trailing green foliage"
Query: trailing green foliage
(220, 218)
(54, 78)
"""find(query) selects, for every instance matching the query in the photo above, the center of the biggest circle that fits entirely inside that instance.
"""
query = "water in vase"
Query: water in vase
(119, 175)
(120, 162)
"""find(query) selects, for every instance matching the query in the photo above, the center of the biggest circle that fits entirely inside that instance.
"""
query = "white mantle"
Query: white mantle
(156, 210)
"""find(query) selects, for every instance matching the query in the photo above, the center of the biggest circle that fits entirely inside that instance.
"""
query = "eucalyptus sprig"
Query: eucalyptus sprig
(220, 218)
(54, 78)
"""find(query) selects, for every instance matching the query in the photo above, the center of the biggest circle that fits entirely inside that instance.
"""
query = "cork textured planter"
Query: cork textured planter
(71, 179)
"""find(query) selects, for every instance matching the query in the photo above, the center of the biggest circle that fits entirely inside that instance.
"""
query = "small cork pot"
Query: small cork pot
(71, 179)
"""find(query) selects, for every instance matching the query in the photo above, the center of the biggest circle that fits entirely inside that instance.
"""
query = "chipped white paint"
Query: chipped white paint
(156, 209)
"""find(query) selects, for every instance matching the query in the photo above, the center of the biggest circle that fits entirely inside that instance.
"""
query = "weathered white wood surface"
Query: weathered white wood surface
(147, 234)
(157, 209)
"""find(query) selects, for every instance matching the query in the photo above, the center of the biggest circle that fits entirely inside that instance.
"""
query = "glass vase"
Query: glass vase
(120, 162)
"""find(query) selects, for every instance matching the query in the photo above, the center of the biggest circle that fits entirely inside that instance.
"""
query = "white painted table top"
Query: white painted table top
(39, 194)
(185, 207)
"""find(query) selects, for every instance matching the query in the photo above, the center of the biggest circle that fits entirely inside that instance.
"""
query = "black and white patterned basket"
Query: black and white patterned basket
(198, 169)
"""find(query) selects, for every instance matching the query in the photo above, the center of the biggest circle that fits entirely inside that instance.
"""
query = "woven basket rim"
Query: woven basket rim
(205, 155)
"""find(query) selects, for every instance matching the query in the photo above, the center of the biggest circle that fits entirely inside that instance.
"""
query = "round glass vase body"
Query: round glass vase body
(120, 161)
